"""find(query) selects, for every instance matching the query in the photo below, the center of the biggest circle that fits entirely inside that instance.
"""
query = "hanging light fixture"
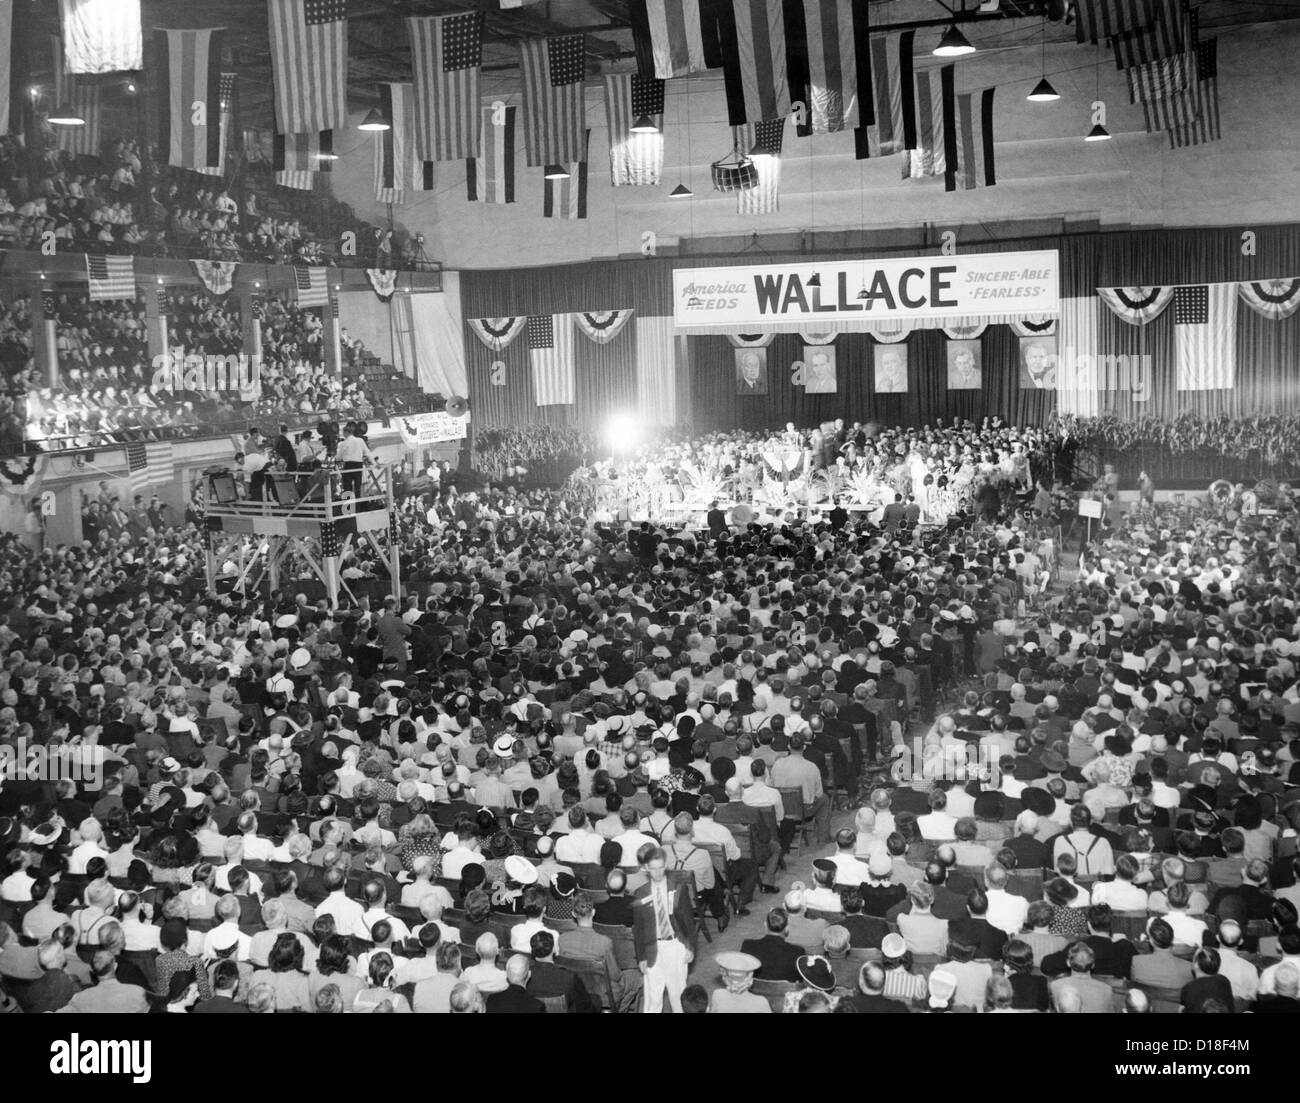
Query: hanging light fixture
(953, 43)
(815, 280)
(1043, 91)
(644, 125)
(864, 294)
(680, 192)
(1098, 134)
(66, 116)
(374, 121)
(556, 172)
(327, 156)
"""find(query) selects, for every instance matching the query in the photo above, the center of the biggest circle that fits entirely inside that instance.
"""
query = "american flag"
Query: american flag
(447, 59)
(754, 63)
(567, 198)
(309, 63)
(634, 158)
(148, 463)
(1166, 33)
(839, 64)
(103, 36)
(490, 178)
(303, 152)
(110, 277)
(82, 94)
(1205, 336)
(926, 157)
(312, 288)
(193, 60)
(329, 540)
(394, 164)
(298, 179)
(763, 142)
(1195, 112)
(550, 350)
(555, 109)
(893, 97)
(676, 33)
(1101, 20)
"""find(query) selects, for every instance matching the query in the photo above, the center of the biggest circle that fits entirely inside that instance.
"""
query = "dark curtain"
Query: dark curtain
(717, 405)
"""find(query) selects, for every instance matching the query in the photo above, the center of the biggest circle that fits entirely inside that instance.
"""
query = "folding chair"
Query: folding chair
(555, 1005)
(792, 800)
(596, 978)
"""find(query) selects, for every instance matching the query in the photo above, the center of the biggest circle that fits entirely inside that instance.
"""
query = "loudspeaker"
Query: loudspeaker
(221, 488)
(285, 489)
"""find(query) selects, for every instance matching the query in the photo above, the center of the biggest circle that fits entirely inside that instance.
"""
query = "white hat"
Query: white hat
(520, 870)
(300, 658)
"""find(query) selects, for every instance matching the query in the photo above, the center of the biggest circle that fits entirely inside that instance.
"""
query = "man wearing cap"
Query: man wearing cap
(663, 932)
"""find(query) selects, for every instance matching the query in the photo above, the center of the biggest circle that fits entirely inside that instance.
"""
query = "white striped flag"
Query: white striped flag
(555, 109)
(839, 65)
(550, 351)
(6, 45)
(567, 197)
(394, 164)
(634, 158)
(311, 286)
(227, 122)
(298, 179)
(137, 466)
(1098, 21)
(312, 152)
(192, 60)
(893, 95)
(1196, 112)
(1158, 80)
(102, 36)
(1205, 336)
(926, 158)
(754, 62)
(1162, 34)
(676, 30)
(82, 94)
(148, 463)
(762, 142)
(110, 277)
(309, 64)
(447, 60)
(968, 131)
(491, 177)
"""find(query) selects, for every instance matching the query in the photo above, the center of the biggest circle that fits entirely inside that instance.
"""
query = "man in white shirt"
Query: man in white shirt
(1121, 894)
(349, 916)
(1006, 911)
(90, 846)
(581, 844)
(256, 848)
(760, 793)
(937, 825)
(1093, 853)
(226, 933)
(464, 853)
(1241, 974)
(631, 839)
(850, 870)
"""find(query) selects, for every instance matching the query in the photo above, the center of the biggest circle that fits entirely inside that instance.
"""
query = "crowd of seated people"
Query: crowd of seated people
(380, 807)
(17, 371)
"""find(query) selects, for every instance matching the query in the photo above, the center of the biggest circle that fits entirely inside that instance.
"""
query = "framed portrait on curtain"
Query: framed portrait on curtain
(819, 374)
(1038, 360)
(891, 369)
(965, 372)
(751, 371)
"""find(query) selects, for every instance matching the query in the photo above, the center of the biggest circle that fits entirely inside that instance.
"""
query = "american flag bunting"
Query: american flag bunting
(309, 64)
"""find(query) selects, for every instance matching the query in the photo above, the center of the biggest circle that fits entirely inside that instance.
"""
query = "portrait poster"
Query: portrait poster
(819, 373)
(1038, 362)
(751, 371)
(964, 369)
(891, 369)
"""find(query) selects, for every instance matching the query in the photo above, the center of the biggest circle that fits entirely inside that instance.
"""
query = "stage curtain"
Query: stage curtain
(439, 339)
(656, 371)
(717, 406)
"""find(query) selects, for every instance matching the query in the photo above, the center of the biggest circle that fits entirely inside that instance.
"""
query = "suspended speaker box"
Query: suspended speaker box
(734, 173)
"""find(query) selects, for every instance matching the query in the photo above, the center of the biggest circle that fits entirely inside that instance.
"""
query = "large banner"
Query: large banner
(845, 296)
(435, 428)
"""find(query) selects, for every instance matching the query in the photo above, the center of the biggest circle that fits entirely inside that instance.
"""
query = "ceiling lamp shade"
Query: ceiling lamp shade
(374, 121)
(644, 125)
(1043, 92)
(680, 192)
(1098, 134)
(556, 172)
(66, 116)
(815, 280)
(953, 44)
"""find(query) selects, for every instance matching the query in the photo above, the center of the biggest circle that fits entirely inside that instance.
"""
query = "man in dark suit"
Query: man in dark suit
(871, 998)
(778, 956)
(663, 932)
(617, 910)
(717, 520)
(976, 931)
(894, 513)
(1114, 959)
(1029, 852)
(865, 931)
(225, 980)
(514, 999)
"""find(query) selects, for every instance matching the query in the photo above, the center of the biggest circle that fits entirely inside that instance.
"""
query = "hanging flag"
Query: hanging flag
(148, 463)
(839, 64)
(110, 277)
(1136, 305)
(137, 466)
(447, 59)
(1194, 114)
(550, 350)
(1205, 336)
(297, 179)
(567, 198)
(1156, 81)
(762, 143)
(309, 64)
(102, 36)
(383, 282)
(491, 177)
(754, 62)
(1271, 299)
(394, 164)
(6, 46)
(1098, 21)
(193, 78)
(218, 276)
(969, 158)
(554, 106)
(311, 286)
(82, 94)
(226, 123)
(893, 94)
(1162, 35)
(602, 326)
(303, 152)
(634, 158)
(926, 158)
(497, 333)
(677, 36)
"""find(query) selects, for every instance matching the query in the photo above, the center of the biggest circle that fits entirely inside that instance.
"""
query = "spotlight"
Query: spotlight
(644, 125)
(1043, 92)
(680, 192)
(327, 156)
(374, 121)
(556, 172)
(66, 116)
(1098, 134)
(953, 44)
(130, 88)
(622, 432)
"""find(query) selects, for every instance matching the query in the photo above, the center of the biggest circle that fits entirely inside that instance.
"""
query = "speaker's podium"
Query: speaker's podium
(311, 519)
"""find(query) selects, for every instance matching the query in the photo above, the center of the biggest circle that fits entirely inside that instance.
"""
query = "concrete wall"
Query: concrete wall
(1045, 170)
